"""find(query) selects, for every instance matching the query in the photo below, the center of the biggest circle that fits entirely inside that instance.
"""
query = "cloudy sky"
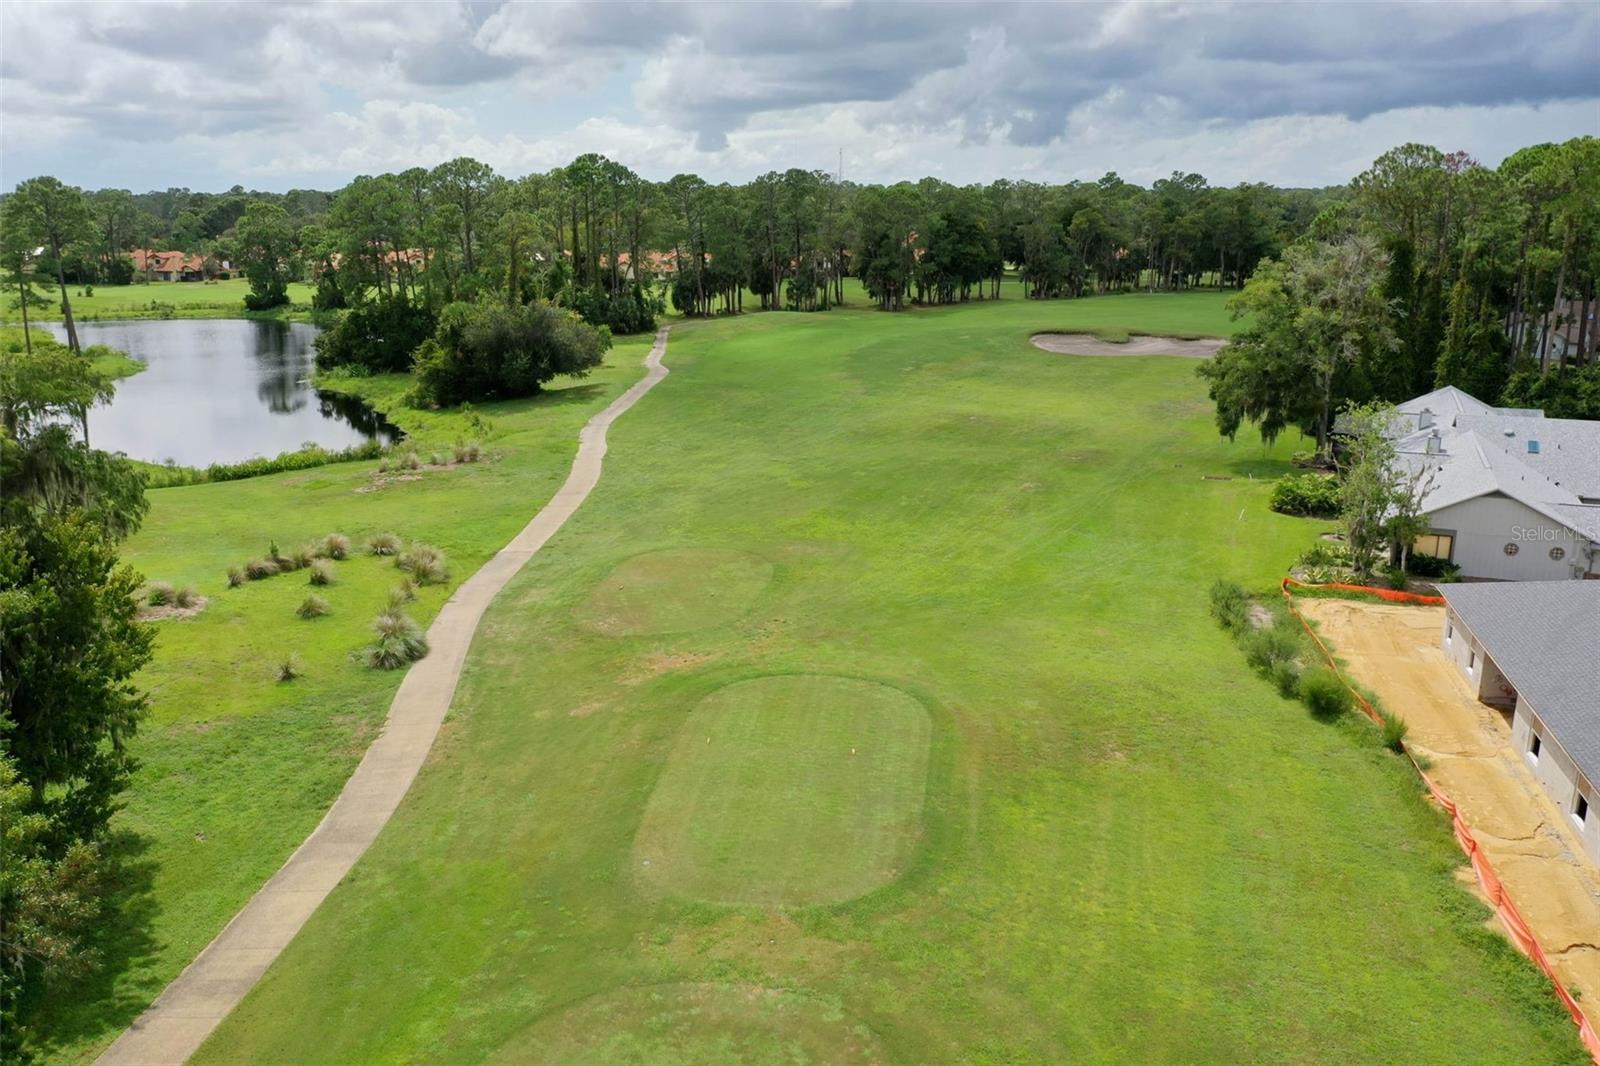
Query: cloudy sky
(277, 95)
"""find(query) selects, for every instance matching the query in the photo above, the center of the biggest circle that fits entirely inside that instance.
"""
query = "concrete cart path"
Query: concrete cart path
(191, 1007)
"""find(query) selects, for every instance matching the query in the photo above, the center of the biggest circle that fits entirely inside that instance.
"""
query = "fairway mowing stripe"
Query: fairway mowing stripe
(181, 1018)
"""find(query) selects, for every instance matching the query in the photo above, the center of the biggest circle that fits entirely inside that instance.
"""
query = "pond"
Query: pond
(220, 391)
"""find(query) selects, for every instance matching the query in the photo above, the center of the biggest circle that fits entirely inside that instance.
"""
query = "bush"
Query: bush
(185, 596)
(1265, 649)
(289, 668)
(467, 452)
(265, 301)
(1230, 605)
(159, 594)
(384, 544)
(1324, 694)
(1324, 553)
(400, 641)
(303, 459)
(1285, 677)
(1432, 566)
(321, 572)
(402, 594)
(1394, 733)
(257, 569)
(335, 546)
(313, 606)
(425, 564)
(1305, 494)
(1394, 577)
(484, 351)
(379, 336)
(236, 577)
(298, 558)
(632, 311)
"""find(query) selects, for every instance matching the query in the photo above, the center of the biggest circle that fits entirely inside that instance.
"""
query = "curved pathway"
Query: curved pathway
(185, 1013)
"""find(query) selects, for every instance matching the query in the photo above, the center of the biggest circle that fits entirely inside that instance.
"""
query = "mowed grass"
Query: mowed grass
(803, 790)
(1130, 848)
(236, 767)
(185, 299)
(674, 590)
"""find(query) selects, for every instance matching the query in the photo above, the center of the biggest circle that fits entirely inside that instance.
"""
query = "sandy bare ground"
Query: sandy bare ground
(1395, 651)
(190, 1008)
(1089, 344)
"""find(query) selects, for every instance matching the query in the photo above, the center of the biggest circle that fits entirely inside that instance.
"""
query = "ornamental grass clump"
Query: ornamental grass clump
(289, 668)
(313, 606)
(298, 558)
(402, 594)
(236, 576)
(258, 569)
(425, 563)
(159, 594)
(400, 641)
(384, 544)
(321, 572)
(467, 452)
(335, 546)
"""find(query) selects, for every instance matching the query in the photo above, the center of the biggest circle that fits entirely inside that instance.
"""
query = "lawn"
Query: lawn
(883, 640)
(159, 299)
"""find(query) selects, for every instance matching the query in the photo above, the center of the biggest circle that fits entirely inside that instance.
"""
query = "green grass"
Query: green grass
(803, 790)
(1129, 849)
(185, 299)
(675, 590)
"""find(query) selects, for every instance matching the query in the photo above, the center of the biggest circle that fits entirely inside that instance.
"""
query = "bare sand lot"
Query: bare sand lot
(1089, 344)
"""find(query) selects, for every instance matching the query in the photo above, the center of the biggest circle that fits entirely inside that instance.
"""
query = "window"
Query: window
(1580, 809)
(1472, 659)
(1533, 748)
(1449, 632)
(1438, 545)
(1558, 553)
(1511, 549)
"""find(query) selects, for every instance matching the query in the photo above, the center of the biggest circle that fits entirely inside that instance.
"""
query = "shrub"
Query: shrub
(1285, 677)
(436, 459)
(321, 572)
(303, 459)
(1394, 577)
(236, 576)
(1324, 694)
(379, 336)
(256, 569)
(313, 606)
(402, 594)
(1394, 733)
(425, 564)
(298, 558)
(335, 546)
(185, 596)
(467, 452)
(1305, 494)
(159, 594)
(400, 641)
(1432, 566)
(489, 350)
(1324, 553)
(1230, 605)
(384, 544)
(1265, 649)
(289, 668)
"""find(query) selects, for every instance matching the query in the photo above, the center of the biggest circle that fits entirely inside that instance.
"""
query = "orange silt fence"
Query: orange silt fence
(1516, 927)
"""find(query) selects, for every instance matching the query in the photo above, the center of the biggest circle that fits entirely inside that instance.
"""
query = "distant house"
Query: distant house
(1510, 494)
(1532, 650)
(152, 265)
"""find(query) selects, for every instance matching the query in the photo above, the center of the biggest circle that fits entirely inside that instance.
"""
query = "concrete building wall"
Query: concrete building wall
(1559, 776)
(1484, 526)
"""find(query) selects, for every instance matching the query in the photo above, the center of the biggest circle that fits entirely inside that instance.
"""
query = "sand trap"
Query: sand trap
(1088, 344)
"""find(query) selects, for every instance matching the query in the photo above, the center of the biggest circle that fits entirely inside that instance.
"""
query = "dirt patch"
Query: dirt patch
(169, 611)
(1088, 344)
(1395, 651)
(586, 710)
(664, 663)
(383, 481)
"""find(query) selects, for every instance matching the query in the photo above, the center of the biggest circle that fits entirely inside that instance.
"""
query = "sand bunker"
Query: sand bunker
(1088, 344)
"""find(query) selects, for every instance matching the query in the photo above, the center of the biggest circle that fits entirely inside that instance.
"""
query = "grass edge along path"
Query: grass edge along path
(186, 1012)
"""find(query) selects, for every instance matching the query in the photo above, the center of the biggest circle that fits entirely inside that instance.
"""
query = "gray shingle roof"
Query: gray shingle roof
(1545, 637)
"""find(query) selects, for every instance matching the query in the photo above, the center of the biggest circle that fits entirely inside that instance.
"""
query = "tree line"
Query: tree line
(1435, 271)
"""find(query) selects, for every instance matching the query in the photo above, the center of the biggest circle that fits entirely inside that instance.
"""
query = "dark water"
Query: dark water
(220, 390)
